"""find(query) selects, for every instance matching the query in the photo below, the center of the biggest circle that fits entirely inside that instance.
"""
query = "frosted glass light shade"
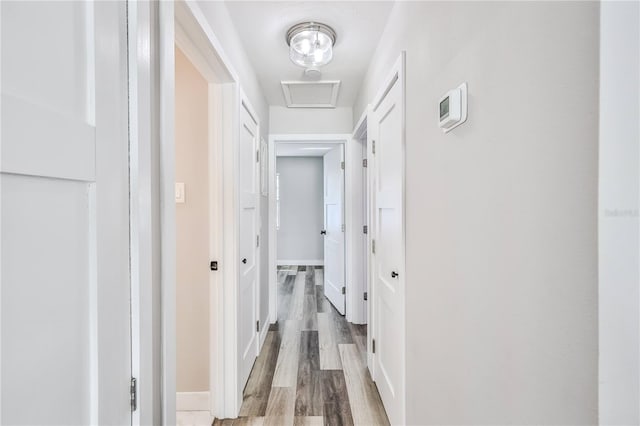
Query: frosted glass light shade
(311, 44)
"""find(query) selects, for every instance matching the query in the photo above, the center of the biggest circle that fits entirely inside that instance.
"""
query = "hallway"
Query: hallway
(173, 173)
(312, 367)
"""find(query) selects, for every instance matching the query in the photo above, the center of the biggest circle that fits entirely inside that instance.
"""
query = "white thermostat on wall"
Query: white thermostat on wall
(453, 108)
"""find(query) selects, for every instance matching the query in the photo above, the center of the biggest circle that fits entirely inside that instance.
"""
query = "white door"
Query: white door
(386, 140)
(248, 294)
(66, 356)
(334, 285)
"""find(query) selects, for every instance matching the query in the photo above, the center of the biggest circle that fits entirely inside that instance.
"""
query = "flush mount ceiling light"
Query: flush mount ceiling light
(311, 44)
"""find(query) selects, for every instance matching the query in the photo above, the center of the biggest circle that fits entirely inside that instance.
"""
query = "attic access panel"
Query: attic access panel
(311, 94)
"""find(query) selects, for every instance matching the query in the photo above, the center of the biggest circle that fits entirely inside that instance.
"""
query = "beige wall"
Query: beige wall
(501, 212)
(192, 229)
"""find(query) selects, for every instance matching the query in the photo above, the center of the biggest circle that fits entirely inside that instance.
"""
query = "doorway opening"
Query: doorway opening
(201, 335)
(315, 353)
(308, 213)
(193, 240)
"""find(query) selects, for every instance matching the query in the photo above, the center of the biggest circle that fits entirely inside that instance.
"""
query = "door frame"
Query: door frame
(275, 139)
(155, 30)
(358, 313)
(144, 208)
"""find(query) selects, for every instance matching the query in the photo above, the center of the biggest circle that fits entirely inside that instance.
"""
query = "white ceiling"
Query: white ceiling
(303, 149)
(262, 26)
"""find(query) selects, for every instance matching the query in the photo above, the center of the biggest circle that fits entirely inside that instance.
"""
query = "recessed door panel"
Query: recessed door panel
(334, 237)
(388, 263)
(47, 284)
(248, 283)
(66, 354)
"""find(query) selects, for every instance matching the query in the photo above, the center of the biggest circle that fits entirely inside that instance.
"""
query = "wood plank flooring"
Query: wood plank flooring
(312, 368)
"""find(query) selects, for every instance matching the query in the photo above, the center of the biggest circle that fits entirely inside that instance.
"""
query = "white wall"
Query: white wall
(284, 120)
(301, 210)
(501, 217)
(218, 17)
(222, 25)
(618, 214)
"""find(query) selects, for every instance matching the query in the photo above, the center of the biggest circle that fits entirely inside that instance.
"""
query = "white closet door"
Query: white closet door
(249, 215)
(388, 259)
(334, 273)
(65, 311)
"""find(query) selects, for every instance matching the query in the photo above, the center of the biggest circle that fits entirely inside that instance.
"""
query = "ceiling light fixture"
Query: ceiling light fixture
(311, 44)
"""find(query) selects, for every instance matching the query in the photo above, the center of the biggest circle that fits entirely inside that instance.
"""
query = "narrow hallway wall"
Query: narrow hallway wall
(192, 229)
(501, 213)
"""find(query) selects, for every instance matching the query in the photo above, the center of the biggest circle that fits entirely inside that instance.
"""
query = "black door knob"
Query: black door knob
(244, 260)
(394, 274)
(323, 232)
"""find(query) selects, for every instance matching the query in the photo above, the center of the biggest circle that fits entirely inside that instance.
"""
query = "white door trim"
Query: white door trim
(357, 307)
(143, 201)
(274, 139)
(362, 130)
(397, 75)
(166, 188)
(164, 25)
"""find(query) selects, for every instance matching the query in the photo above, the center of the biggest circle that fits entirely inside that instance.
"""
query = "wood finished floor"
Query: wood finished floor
(312, 367)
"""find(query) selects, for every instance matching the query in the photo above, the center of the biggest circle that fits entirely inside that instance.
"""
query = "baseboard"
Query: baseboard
(263, 333)
(301, 262)
(192, 401)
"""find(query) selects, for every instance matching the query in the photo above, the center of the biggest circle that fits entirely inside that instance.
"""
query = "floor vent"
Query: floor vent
(311, 94)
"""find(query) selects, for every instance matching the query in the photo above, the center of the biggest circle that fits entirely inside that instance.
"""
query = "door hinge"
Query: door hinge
(365, 229)
(373, 345)
(344, 290)
(258, 326)
(342, 227)
(257, 156)
(373, 246)
(373, 146)
(133, 391)
(257, 240)
(214, 265)
(342, 165)
(366, 296)
(364, 162)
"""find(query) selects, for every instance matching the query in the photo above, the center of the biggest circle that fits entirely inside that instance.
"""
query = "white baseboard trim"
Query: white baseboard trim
(263, 333)
(316, 262)
(192, 401)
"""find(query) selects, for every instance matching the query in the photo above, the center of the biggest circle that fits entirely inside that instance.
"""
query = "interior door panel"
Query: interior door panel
(66, 355)
(248, 289)
(388, 259)
(334, 238)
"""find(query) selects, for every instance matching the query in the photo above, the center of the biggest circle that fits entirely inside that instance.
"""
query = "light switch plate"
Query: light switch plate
(180, 196)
